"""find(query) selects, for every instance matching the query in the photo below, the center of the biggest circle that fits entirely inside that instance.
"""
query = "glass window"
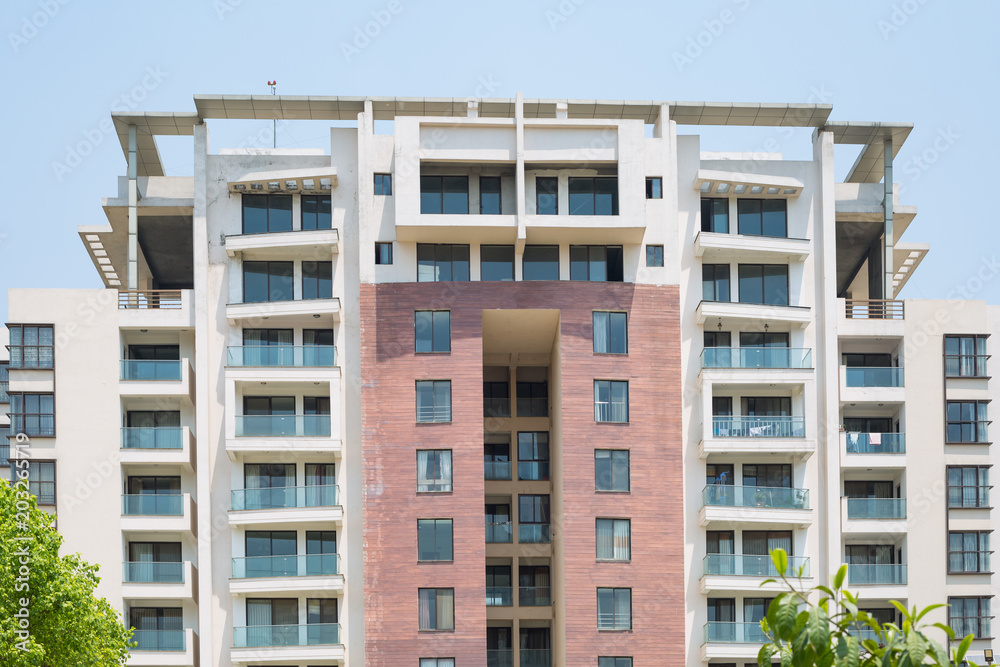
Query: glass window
(437, 608)
(614, 539)
(268, 281)
(654, 188)
(267, 213)
(496, 262)
(540, 262)
(715, 282)
(489, 195)
(764, 283)
(767, 474)
(432, 330)
(317, 280)
(654, 256)
(383, 184)
(41, 480)
(715, 215)
(614, 608)
(547, 195)
(616, 661)
(533, 455)
(610, 332)
(496, 398)
(433, 401)
(33, 415)
(968, 551)
(970, 616)
(383, 253)
(718, 339)
(442, 262)
(433, 470)
(434, 539)
(316, 212)
(593, 196)
(967, 421)
(762, 217)
(533, 509)
(968, 486)
(611, 401)
(437, 662)
(596, 263)
(320, 610)
(611, 469)
(496, 456)
(31, 346)
(965, 356)
(532, 399)
(763, 339)
(444, 194)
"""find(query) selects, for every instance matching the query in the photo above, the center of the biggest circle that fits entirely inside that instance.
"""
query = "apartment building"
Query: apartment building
(515, 382)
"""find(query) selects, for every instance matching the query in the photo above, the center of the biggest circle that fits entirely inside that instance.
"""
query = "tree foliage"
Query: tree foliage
(833, 632)
(49, 616)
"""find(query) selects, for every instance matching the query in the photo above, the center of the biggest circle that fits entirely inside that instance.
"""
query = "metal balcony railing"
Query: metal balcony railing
(144, 572)
(756, 357)
(289, 426)
(158, 640)
(874, 376)
(876, 508)
(311, 634)
(282, 497)
(149, 300)
(758, 427)
(876, 443)
(152, 437)
(157, 370)
(153, 504)
(301, 565)
(768, 497)
(749, 565)
(270, 356)
(871, 575)
(874, 309)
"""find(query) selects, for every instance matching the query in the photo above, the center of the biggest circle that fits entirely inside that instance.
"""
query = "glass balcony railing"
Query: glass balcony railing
(158, 640)
(138, 572)
(497, 470)
(281, 497)
(536, 657)
(312, 634)
(758, 427)
(756, 357)
(876, 443)
(748, 565)
(153, 504)
(534, 533)
(533, 470)
(307, 565)
(290, 426)
(532, 407)
(734, 633)
(152, 437)
(496, 407)
(151, 369)
(871, 376)
(499, 657)
(499, 596)
(769, 497)
(269, 356)
(876, 508)
(499, 533)
(863, 575)
(534, 596)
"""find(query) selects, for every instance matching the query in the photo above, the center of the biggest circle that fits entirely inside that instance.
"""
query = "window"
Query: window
(533, 516)
(434, 539)
(616, 661)
(496, 262)
(433, 470)
(33, 414)
(715, 215)
(269, 553)
(965, 356)
(321, 614)
(610, 333)
(533, 455)
(767, 474)
(764, 283)
(383, 253)
(654, 256)
(444, 194)
(718, 339)
(154, 562)
(715, 282)
(614, 539)
(596, 263)
(532, 397)
(593, 196)
(540, 262)
(547, 195)
(534, 582)
(489, 195)
(611, 470)
(763, 339)
(762, 217)
(496, 456)
(157, 628)
(41, 480)
(4, 382)
(654, 188)
(432, 330)
(970, 616)
(966, 421)
(317, 280)
(437, 662)
(968, 486)
(496, 398)
(383, 184)
(267, 213)
(316, 212)
(968, 552)
(268, 281)
(614, 608)
(437, 608)
(611, 401)
(433, 401)
(272, 621)
(30, 346)
(442, 262)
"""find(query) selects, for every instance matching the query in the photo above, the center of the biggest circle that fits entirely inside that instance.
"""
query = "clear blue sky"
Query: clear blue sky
(69, 63)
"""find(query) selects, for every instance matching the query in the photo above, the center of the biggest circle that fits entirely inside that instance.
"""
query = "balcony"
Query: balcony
(456, 228)
(254, 314)
(755, 504)
(873, 309)
(744, 435)
(308, 643)
(499, 596)
(160, 504)
(265, 575)
(739, 315)
(533, 471)
(159, 581)
(534, 533)
(875, 443)
(714, 247)
(159, 512)
(499, 657)
(876, 575)
(866, 376)
(728, 641)
(164, 648)
(746, 572)
(173, 445)
(283, 426)
(757, 357)
(285, 504)
(298, 356)
(284, 433)
(499, 533)
(497, 470)
(497, 408)
(153, 573)
(532, 407)
(154, 370)
(871, 318)
(155, 309)
(871, 385)
(758, 427)
(876, 508)
(151, 378)
(309, 244)
(536, 657)
(534, 596)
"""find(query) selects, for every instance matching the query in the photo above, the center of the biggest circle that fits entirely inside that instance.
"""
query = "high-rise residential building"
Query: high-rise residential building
(504, 382)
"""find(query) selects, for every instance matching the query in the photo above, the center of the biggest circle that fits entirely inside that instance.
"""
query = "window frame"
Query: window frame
(982, 552)
(708, 222)
(654, 187)
(421, 523)
(436, 662)
(628, 471)
(34, 485)
(320, 202)
(498, 193)
(959, 357)
(442, 179)
(382, 185)
(615, 623)
(617, 661)
(266, 197)
(539, 193)
(656, 260)
(614, 524)
(590, 261)
(763, 282)
(593, 194)
(270, 276)
(979, 617)
(23, 415)
(982, 486)
(437, 600)
(539, 247)
(611, 315)
(611, 402)
(379, 256)
(434, 389)
(438, 466)
(761, 202)
(483, 262)
(716, 281)
(984, 405)
(37, 347)
(437, 262)
(317, 279)
(434, 324)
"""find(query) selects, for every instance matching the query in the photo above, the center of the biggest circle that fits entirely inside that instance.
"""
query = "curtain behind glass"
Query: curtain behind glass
(622, 540)
(601, 329)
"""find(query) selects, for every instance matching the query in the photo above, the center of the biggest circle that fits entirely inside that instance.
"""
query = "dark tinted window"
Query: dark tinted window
(541, 262)
(267, 213)
(496, 262)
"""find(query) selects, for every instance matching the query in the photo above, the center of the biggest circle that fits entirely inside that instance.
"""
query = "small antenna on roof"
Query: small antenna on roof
(274, 122)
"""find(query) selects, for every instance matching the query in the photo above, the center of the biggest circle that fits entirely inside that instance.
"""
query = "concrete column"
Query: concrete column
(887, 266)
(133, 211)
(519, 183)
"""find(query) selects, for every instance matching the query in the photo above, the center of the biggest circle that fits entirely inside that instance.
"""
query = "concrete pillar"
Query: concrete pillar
(133, 212)
(888, 291)
(519, 173)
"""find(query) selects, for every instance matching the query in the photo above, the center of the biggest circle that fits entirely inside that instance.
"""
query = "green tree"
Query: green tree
(828, 632)
(49, 616)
